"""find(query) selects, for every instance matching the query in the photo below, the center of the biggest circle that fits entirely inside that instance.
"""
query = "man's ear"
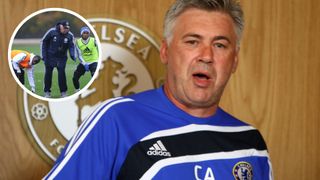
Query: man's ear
(60, 27)
(236, 59)
(164, 52)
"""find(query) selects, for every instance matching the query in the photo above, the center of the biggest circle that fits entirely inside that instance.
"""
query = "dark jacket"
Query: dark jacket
(54, 45)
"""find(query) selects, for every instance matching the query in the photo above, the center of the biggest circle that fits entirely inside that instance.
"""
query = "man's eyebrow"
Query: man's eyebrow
(194, 35)
(216, 38)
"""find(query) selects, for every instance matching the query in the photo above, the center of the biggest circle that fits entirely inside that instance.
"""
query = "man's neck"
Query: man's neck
(85, 41)
(200, 112)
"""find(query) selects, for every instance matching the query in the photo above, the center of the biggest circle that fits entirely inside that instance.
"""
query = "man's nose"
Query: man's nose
(206, 54)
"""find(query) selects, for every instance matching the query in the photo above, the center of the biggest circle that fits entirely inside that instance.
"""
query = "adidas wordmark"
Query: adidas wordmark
(158, 149)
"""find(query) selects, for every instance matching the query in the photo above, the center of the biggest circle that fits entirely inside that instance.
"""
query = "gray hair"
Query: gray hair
(231, 7)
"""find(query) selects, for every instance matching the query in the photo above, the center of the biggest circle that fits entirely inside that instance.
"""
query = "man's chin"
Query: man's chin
(201, 102)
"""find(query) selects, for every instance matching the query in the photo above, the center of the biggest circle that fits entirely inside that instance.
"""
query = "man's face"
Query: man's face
(35, 60)
(200, 57)
(63, 30)
(85, 35)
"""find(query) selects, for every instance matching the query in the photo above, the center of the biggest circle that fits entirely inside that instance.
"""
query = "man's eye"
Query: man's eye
(192, 42)
(219, 45)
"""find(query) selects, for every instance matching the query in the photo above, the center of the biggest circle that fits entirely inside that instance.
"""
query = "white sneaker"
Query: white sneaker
(47, 94)
(63, 94)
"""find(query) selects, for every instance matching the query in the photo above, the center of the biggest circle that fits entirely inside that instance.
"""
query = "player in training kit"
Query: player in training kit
(24, 60)
(87, 52)
(177, 131)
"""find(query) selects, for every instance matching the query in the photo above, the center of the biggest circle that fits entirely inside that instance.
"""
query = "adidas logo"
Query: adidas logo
(158, 149)
(87, 51)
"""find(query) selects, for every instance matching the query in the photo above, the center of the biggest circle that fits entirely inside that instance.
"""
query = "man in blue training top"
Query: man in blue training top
(54, 46)
(177, 131)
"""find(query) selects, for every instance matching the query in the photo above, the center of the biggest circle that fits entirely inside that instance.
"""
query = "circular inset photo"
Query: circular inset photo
(54, 54)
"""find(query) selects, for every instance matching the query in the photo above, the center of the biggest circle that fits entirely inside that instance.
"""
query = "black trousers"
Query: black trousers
(60, 64)
(20, 76)
(80, 72)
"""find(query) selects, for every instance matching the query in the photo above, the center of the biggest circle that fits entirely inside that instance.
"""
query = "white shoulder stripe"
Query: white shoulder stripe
(87, 130)
(71, 33)
(41, 42)
(155, 168)
(87, 121)
(196, 127)
(47, 33)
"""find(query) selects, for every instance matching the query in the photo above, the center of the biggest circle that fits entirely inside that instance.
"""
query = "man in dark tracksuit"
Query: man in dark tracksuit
(54, 46)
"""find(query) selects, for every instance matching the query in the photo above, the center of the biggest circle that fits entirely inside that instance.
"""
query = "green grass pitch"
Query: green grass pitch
(39, 71)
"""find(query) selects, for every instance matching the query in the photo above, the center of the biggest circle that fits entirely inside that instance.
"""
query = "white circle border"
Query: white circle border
(92, 31)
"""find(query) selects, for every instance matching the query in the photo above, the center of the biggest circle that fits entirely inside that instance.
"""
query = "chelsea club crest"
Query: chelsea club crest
(242, 171)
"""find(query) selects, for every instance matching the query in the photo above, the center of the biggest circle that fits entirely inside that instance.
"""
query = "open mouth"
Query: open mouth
(201, 76)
